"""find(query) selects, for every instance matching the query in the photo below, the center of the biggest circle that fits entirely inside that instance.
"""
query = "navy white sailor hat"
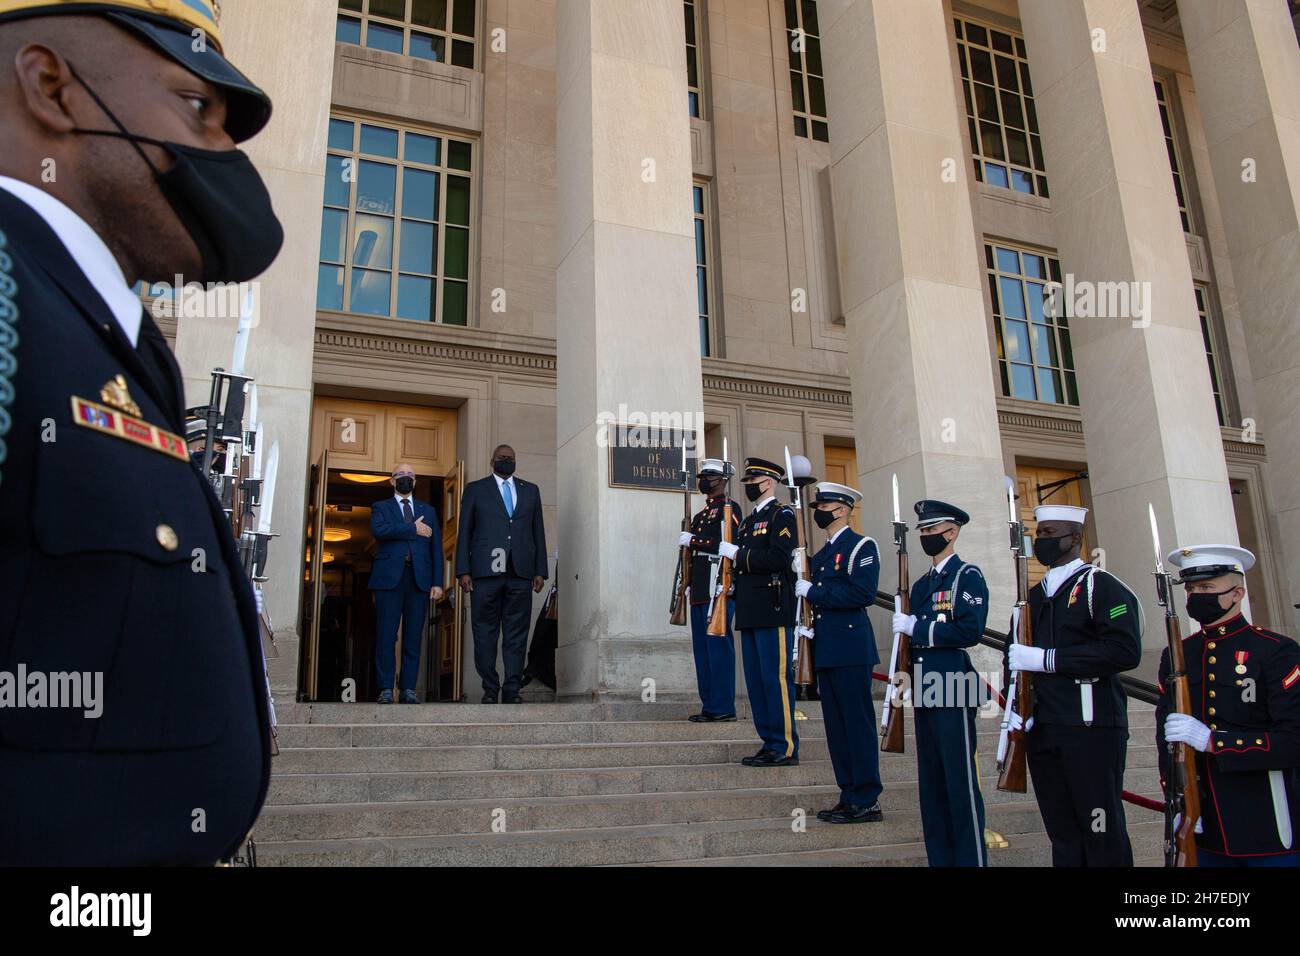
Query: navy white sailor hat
(1202, 561)
(757, 469)
(930, 512)
(828, 492)
(1060, 513)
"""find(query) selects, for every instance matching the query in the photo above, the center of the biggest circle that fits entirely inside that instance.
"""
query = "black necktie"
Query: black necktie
(406, 511)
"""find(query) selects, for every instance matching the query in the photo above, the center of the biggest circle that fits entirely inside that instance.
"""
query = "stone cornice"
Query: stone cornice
(739, 379)
(1040, 418)
(384, 338)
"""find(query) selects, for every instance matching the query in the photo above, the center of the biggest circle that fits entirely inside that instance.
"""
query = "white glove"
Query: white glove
(904, 623)
(1022, 658)
(802, 587)
(1186, 729)
(1178, 819)
(1014, 721)
(802, 631)
(257, 596)
(684, 539)
(727, 550)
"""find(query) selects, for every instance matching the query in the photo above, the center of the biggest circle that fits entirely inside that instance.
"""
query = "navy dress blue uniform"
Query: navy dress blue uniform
(765, 614)
(951, 605)
(406, 568)
(715, 657)
(844, 575)
(118, 560)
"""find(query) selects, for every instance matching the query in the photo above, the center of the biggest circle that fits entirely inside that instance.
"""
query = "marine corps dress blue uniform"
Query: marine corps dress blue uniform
(1245, 688)
(950, 603)
(715, 657)
(117, 559)
(843, 579)
(765, 615)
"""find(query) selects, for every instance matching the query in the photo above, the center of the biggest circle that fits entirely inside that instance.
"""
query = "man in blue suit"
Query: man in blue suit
(843, 585)
(949, 604)
(406, 573)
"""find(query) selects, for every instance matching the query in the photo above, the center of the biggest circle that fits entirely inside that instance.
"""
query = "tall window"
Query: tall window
(395, 226)
(807, 83)
(1000, 108)
(703, 284)
(439, 30)
(1034, 354)
(1207, 336)
(1167, 124)
(694, 89)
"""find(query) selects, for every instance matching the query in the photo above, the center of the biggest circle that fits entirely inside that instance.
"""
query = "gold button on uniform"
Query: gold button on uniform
(1215, 727)
(1212, 712)
(1258, 741)
(1213, 660)
(166, 537)
(1220, 743)
(1212, 645)
(1239, 743)
(1211, 676)
(1211, 695)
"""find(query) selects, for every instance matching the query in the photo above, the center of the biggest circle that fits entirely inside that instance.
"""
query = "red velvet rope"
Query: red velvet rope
(1129, 796)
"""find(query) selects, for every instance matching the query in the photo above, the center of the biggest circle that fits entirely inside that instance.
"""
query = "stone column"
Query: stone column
(1246, 69)
(1144, 386)
(277, 53)
(627, 331)
(919, 361)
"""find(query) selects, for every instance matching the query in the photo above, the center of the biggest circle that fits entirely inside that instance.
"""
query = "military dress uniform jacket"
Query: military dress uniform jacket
(762, 573)
(1091, 629)
(117, 560)
(706, 531)
(951, 607)
(844, 576)
(1245, 685)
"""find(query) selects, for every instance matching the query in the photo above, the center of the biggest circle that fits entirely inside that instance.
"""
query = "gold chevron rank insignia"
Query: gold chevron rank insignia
(112, 421)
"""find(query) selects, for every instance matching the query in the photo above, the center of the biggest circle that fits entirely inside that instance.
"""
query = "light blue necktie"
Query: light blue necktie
(509, 497)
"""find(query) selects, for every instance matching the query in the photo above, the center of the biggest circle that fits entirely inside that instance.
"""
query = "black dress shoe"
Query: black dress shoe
(489, 699)
(511, 699)
(408, 697)
(777, 760)
(385, 697)
(753, 760)
(825, 815)
(854, 814)
(706, 718)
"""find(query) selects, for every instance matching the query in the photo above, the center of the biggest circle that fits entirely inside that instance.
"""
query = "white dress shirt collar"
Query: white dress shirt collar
(938, 568)
(763, 504)
(504, 481)
(88, 251)
(831, 539)
(399, 498)
(1055, 577)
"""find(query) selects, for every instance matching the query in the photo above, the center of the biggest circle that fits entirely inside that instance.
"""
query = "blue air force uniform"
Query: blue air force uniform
(765, 614)
(950, 603)
(715, 657)
(844, 574)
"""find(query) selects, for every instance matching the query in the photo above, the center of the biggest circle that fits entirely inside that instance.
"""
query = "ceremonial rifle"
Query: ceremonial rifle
(678, 610)
(900, 658)
(1011, 742)
(1182, 789)
(805, 676)
(720, 576)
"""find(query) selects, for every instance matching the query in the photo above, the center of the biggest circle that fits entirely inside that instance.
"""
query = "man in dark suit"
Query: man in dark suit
(406, 574)
(500, 550)
(117, 560)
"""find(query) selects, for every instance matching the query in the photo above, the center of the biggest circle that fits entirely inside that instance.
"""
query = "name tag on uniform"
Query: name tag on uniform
(109, 421)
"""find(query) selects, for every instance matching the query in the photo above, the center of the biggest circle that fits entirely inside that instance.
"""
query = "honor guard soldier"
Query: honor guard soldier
(1086, 626)
(762, 557)
(843, 585)
(117, 561)
(1245, 720)
(950, 604)
(715, 657)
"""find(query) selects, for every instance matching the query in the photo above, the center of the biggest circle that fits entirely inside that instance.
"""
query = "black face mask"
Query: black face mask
(405, 485)
(220, 200)
(753, 492)
(1204, 608)
(933, 544)
(823, 518)
(505, 467)
(1047, 551)
(709, 486)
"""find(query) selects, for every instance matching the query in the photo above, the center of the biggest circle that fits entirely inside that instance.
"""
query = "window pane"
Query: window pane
(340, 134)
(1022, 182)
(821, 132)
(329, 288)
(383, 38)
(371, 292)
(348, 30)
(417, 247)
(350, 5)
(1007, 261)
(1033, 266)
(462, 21)
(702, 291)
(1022, 382)
(991, 141)
(333, 229)
(336, 187)
(800, 126)
(429, 13)
(997, 175)
(697, 198)
(1017, 341)
(376, 187)
(379, 141)
(1001, 41)
(1017, 147)
(1049, 385)
(456, 256)
(455, 303)
(428, 47)
(1007, 73)
(816, 96)
(393, 9)
(1044, 353)
(796, 91)
(462, 54)
(986, 103)
(810, 17)
(458, 154)
(422, 149)
(458, 200)
(1012, 115)
(415, 298)
(373, 244)
(981, 67)
(419, 193)
(813, 55)
(977, 34)
(699, 242)
(1013, 303)
(1034, 297)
